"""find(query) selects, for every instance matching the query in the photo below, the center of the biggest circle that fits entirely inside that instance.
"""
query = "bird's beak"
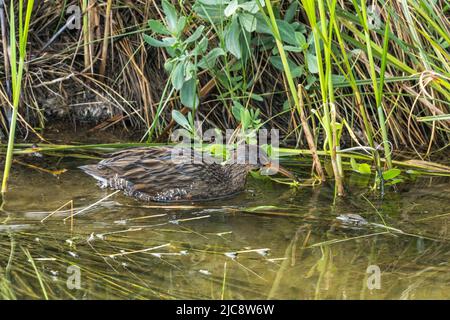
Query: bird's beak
(279, 169)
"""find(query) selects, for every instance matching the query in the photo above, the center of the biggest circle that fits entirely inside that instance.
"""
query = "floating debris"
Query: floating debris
(276, 259)
(160, 254)
(205, 272)
(263, 252)
(16, 227)
(231, 255)
(91, 237)
(73, 254)
(43, 259)
(352, 219)
(123, 252)
(125, 221)
(188, 219)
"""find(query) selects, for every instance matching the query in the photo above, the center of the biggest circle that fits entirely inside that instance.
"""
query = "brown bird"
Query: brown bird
(161, 174)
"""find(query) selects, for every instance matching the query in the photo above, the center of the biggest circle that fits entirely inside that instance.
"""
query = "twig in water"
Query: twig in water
(92, 205)
(57, 210)
(137, 251)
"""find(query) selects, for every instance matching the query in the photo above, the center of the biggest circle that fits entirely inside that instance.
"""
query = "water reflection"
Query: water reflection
(268, 242)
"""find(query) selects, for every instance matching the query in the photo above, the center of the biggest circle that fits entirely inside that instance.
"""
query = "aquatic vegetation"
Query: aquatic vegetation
(17, 69)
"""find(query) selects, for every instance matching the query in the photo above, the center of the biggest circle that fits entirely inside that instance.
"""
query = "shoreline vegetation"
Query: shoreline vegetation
(354, 85)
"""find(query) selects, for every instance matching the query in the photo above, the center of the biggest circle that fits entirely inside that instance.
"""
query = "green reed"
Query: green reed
(17, 66)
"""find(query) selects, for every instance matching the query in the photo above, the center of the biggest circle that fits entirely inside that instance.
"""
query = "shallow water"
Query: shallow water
(293, 245)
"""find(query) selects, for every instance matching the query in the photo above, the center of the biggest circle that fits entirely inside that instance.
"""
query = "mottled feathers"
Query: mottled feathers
(151, 174)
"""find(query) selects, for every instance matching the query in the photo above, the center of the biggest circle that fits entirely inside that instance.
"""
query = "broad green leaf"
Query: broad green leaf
(256, 97)
(165, 42)
(287, 32)
(178, 76)
(338, 79)
(201, 46)
(311, 60)
(231, 8)
(394, 181)
(301, 40)
(364, 168)
(210, 12)
(232, 39)
(293, 48)
(190, 71)
(296, 71)
(180, 25)
(247, 21)
(188, 94)
(214, 2)
(197, 34)
(250, 6)
(391, 174)
(290, 12)
(354, 164)
(158, 27)
(209, 60)
(171, 15)
(179, 118)
(168, 65)
(236, 110)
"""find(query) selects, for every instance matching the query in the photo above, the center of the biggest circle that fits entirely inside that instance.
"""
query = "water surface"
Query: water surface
(271, 241)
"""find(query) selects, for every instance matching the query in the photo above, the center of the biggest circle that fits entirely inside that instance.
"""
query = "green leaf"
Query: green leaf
(168, 65)
(188, 94)
(180, 25)
(209, 60)
(197, 34)
(158, 27)
(250, 6)
(296, 71)
(287, 32)
(232, 41)
(178, 76)
(301, 40)
(171, 15)
(354, 164)
(394, 181)
(190, 71)
(311, 60)
(201, 46)
(364, 168)
(440, 117)
(179, 118)
(256, 97)
(166, 42)
(214, 2)
(231, 8)
(236, 110)
(391, 174)
(290, 12)
(293, 48)
(247, 21)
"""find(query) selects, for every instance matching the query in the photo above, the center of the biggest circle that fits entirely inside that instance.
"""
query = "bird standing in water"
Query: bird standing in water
(160, 174)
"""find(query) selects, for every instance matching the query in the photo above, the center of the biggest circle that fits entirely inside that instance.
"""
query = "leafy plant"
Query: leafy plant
(187, 54)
